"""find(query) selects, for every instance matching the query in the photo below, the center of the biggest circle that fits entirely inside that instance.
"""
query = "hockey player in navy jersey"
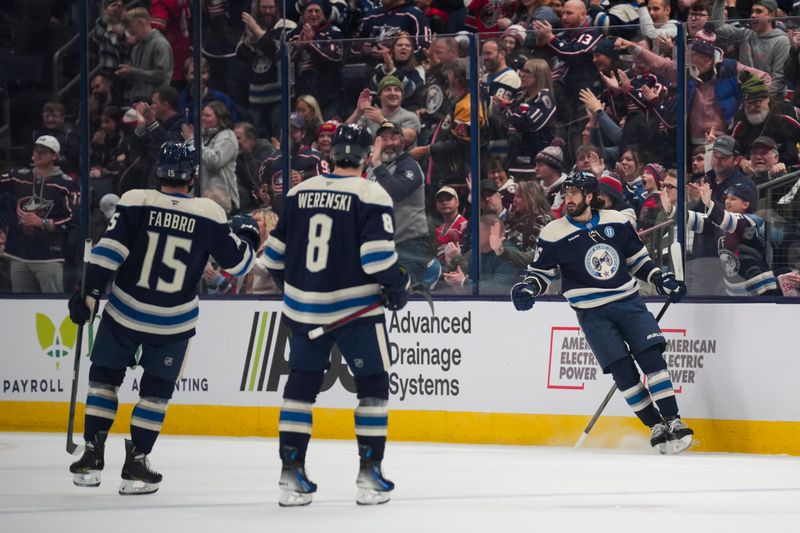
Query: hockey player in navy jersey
(157, 243)
(598, 253)
(334, 253)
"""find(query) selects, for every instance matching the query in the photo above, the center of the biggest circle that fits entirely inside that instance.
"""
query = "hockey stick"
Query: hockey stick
(71, 446)
(318, 332)
(677, 265)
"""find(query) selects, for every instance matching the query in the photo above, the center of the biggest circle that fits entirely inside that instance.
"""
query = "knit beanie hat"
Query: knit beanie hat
(553, 155)
(324, 5)
(771, 5)
(329, 127)
(389, 81)
(517, 31)
(705, 40)
(612, 187)
(752, 86)
(655, 170)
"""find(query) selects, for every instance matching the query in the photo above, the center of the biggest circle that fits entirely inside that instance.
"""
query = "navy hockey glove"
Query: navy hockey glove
(396, 297)
(83, 309)
(524, 294)
(246, 228)
(667, 285)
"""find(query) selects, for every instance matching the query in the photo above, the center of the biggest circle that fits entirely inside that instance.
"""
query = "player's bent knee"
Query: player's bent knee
(105, 375)
(153, 386)
(374, 386)
(651, 360)
(303, 386)
(624, 373)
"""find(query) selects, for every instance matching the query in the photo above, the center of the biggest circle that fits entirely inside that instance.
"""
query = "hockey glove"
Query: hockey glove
(246, 228)
(396, 297)
(524, 294)
(82, 310)
(667, 285)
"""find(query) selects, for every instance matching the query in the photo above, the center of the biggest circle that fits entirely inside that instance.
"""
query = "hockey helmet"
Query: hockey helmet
(176, 163)
(583, 180)
(351, 144)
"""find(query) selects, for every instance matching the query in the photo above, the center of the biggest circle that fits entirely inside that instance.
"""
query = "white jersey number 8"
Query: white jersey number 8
(319, 233)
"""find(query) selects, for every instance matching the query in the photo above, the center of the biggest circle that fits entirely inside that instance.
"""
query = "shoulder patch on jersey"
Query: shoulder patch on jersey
(609, 231)
(601, 261)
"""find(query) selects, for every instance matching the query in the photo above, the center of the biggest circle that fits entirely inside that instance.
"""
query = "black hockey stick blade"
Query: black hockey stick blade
(419, 288)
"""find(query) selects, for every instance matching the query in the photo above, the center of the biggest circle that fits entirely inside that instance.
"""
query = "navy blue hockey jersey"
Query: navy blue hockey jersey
(158, 244)
(597, 259)
(334, 248)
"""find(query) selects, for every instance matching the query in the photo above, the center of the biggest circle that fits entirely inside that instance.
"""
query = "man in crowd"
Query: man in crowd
(44, 216)
(252, 153)
(390, 93)
(397, 172)
(151, 58)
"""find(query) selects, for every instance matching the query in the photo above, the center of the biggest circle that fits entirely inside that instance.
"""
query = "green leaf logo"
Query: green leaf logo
(56, 344)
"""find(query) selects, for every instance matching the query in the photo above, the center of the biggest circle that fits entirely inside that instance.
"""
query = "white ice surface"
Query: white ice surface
(229, 485)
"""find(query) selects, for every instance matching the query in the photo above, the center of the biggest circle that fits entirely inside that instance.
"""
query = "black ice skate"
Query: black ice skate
(659, 437)
(679, 435)
(295, 487)
(86, 470)
(137, 476)
(373, 488)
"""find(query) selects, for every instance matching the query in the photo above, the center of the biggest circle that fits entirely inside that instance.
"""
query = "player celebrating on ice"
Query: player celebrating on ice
(334, 252)
(598, 253)
(157, 243)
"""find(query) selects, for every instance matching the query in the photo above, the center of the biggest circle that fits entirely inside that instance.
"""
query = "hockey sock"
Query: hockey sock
(101, 409)
(372, 420)
(294, 426)
(146, 420)
(626, 376)
(658, 381)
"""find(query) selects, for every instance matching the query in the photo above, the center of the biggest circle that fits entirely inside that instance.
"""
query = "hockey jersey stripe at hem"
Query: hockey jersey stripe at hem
(597, 299)
(141, 327)
(371, 289)
(157, 320)
(308, 307)
(319, 319)
(151, 309)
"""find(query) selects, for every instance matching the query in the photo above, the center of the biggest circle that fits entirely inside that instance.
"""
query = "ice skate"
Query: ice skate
(373, 487)
(659, 437)
(137, 476)
(86, 471)
(679, 436)
(295, 487)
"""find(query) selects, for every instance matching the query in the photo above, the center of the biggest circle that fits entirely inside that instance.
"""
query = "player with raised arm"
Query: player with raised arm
(157, 243)
(598, 252)
(334, 253)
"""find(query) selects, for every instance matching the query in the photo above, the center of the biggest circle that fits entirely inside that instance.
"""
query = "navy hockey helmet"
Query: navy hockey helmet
(177, 163)
(351, 144)
(583, 180)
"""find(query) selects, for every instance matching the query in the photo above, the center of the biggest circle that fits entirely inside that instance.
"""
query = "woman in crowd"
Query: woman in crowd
(308, 107)
(530, 213)
(496, 172)
(531, 117)
(109, 153)
(218, 171)
(399, 62)
(629, 169)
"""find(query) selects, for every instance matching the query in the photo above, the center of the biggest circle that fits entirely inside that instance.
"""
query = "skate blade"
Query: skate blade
(133, 487)
(677, 446)
(90, 478)
(372, 497)
(291, 498)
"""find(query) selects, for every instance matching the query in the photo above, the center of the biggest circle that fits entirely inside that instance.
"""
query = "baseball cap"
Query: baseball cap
(726, 145)
(765, 141)
(108, 204)
(389, 125)
(745, 190)
(488, 185)
(48, 141)
(446, 190)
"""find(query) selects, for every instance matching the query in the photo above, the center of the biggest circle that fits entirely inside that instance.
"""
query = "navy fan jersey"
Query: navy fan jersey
(158, 244)
(597, 259)
(334, 248)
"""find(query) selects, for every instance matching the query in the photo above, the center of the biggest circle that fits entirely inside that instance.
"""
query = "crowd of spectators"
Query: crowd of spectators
(562, 86)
